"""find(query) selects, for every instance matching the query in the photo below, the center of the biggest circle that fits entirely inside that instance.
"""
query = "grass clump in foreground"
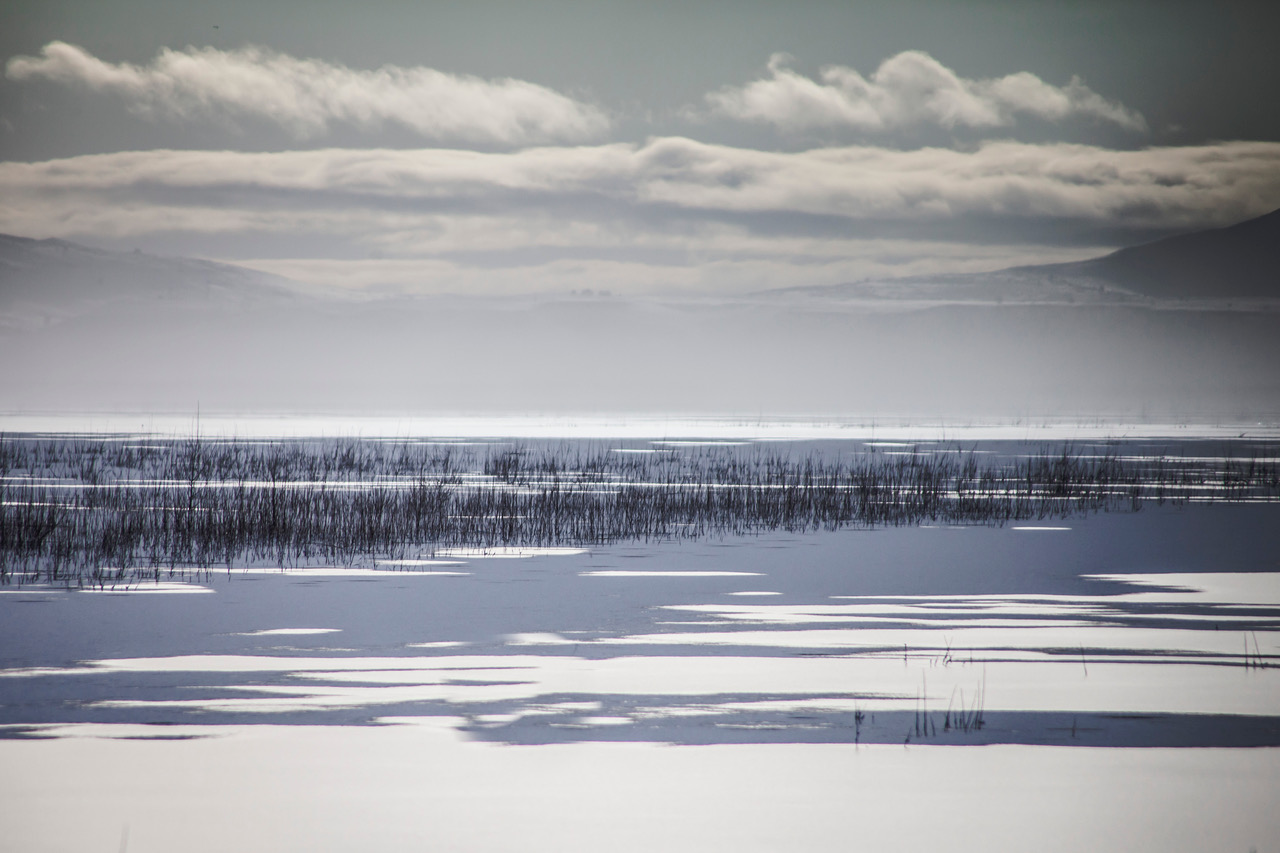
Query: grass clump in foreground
(100, 511)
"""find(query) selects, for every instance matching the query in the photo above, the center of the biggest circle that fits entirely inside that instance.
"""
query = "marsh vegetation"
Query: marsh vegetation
(101, 510)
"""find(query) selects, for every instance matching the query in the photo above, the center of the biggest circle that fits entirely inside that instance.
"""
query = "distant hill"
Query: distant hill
(1237, 266)
(1242, 260)
(83, 330)
(44, 281)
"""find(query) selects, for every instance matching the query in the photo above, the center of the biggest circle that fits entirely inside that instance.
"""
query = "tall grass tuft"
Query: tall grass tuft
(95, 511)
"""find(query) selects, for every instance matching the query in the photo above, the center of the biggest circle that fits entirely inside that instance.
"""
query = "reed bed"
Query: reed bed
(97, 511)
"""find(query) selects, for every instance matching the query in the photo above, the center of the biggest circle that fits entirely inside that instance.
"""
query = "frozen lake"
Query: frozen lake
(1092, 681)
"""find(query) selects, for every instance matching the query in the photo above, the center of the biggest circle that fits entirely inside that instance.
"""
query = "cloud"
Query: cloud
(908, 90)
(1157, 187)
(307, 96)
(671, 212)
(1161, 187)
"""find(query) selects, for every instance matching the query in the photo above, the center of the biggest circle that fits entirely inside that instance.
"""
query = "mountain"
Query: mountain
(1240, 261)
(111, 331)
(44, 281)
(1236, 267)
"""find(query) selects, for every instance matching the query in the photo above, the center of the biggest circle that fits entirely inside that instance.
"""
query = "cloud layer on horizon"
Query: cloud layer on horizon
(306, 96)
(680, 212)
(910, 89)
(1186, 186)
(544, 208)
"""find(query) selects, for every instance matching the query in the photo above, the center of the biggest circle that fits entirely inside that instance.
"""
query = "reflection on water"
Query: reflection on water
(393, 785)
(627, 573)
(817, 682)
(733, 638)
(1035, 668)
(501, 552)
(278, 632)
(160, 587)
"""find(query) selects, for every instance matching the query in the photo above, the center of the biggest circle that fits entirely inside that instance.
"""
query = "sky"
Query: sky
(658, 147)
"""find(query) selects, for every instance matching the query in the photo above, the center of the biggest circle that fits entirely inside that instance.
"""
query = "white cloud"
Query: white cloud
(908, 90)
(306, 96)
(1193, 185)
(672, 212)
(1162, 187)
